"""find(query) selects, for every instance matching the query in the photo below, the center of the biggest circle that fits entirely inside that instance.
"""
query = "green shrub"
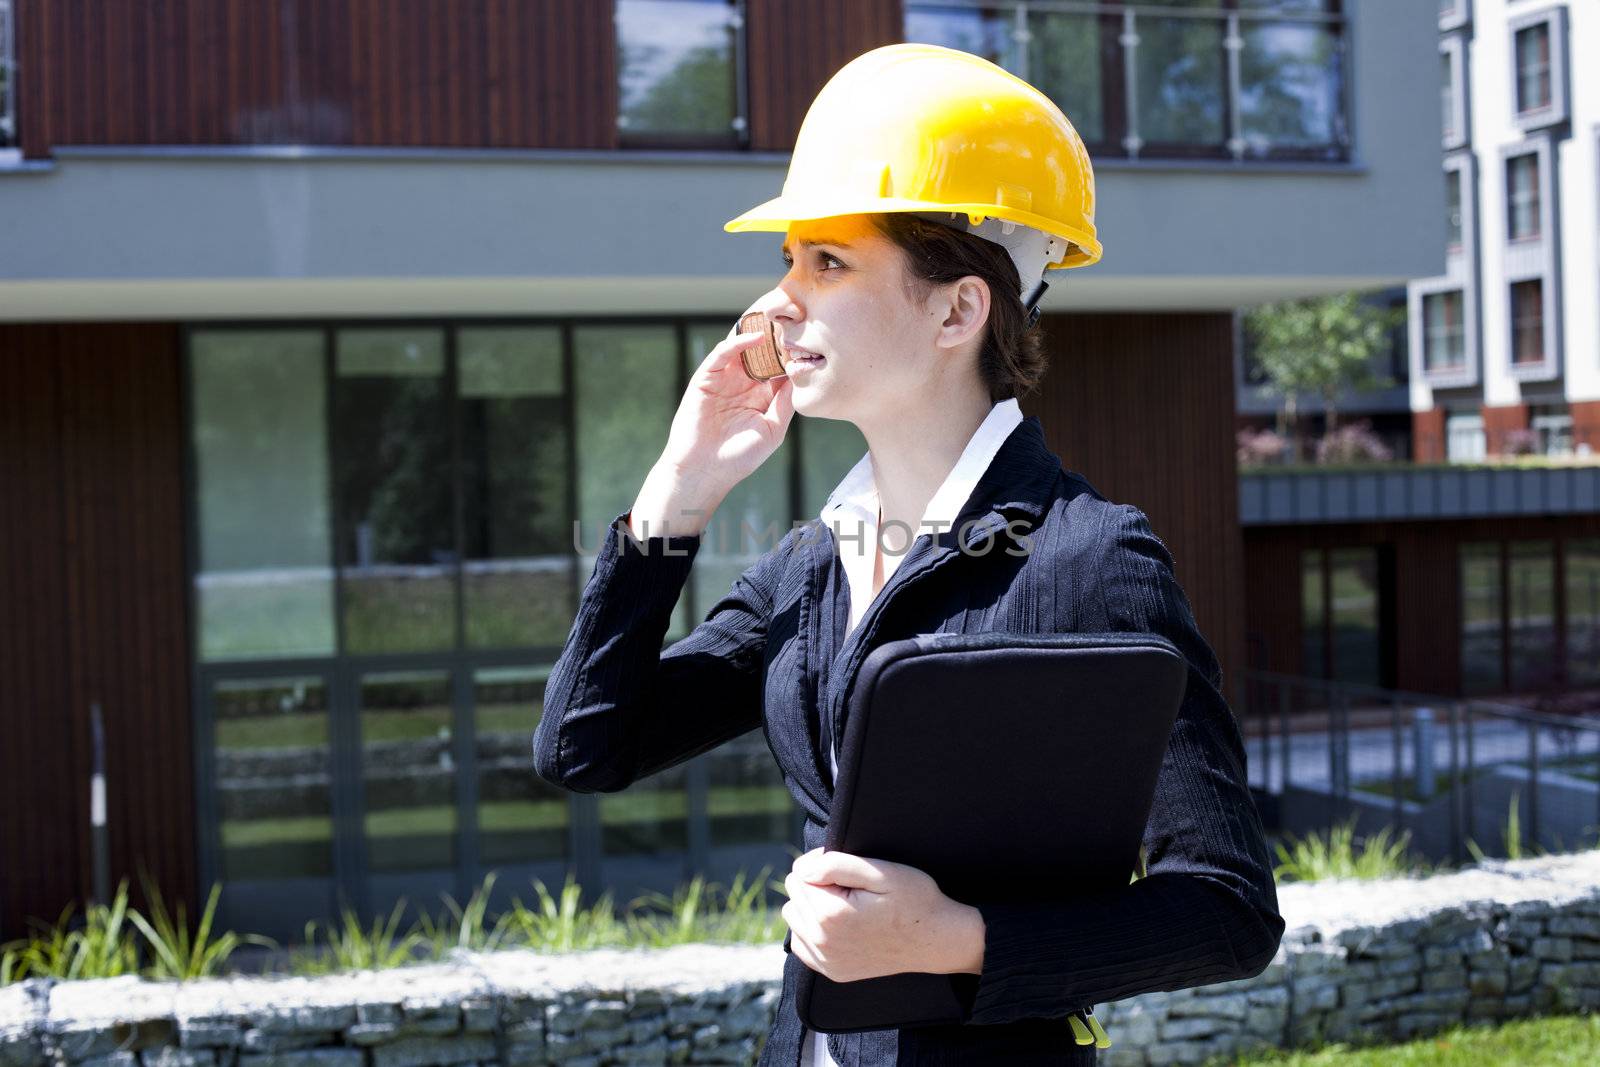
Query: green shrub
(1337, 855)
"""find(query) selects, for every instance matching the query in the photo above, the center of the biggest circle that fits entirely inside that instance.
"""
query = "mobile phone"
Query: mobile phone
(764, 360)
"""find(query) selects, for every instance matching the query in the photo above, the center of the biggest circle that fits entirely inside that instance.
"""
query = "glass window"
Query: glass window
(518, 575)
(625, 391)
(1313, 619)
(1289, 85)
(1447, 93)
(1583, 611)
(1482, 641)
(677, 68)
(273, 778)
(8, 100)
(1553, 428)
(1353, 579)
(1533, 67)
(984, 31)
(264, 586)
(1464, 438)
(1067, 60)
(1522, 197)
(1527, 321)
(396, 525)
(521, 818)
(1452, 204)
(1182, 81)
(408, 770)
(1444, 337)
(1533, 629)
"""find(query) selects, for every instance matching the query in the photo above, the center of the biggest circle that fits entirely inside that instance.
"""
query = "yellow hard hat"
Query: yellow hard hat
(922, 128)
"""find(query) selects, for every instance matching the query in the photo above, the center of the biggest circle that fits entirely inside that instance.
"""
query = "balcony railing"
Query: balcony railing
(1147, 80)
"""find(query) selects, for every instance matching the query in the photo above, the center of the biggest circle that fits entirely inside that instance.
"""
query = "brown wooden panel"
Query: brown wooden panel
(447, 73)
(1586, 423)
(792, 53)
(93, 531)
(1143, 407)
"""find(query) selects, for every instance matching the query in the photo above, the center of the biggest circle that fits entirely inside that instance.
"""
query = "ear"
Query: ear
(964, 309)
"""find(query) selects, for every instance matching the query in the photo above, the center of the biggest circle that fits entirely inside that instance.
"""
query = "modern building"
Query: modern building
(1506, 339)
(323, 324)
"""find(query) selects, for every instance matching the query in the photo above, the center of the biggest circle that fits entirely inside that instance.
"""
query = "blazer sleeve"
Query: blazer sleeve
(1207, 910)
(617, 708)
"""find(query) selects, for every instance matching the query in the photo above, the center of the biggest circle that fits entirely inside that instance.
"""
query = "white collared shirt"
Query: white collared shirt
(852, 512)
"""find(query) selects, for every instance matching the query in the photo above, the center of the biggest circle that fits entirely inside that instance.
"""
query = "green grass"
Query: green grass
(1551, 1041)
(1339, 854)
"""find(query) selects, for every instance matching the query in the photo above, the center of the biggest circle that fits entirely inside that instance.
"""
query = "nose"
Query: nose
(781, 305)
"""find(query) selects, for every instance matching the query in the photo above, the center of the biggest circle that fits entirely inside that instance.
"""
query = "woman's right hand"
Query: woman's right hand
(727, 423)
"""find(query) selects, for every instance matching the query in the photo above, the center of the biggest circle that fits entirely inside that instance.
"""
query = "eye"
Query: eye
(828, 257)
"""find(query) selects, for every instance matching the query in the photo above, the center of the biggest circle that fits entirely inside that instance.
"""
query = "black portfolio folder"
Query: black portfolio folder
(1009, 767)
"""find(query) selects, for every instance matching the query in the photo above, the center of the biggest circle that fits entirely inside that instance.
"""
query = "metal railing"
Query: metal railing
(1461, 775)
(1273, 83)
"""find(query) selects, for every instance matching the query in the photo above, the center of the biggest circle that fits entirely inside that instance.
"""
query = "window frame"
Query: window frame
(1459, 18)
(1558, 110)
(1530, 259)
(738, 136)
(1514, 320)
(1458, 133)
(1509, 159)
(1449, 376)
(9, 140)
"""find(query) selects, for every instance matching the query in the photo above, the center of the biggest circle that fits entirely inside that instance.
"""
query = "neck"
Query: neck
(913, 452)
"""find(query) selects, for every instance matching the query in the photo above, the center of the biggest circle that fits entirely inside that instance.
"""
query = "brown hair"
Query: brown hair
(1012, 359)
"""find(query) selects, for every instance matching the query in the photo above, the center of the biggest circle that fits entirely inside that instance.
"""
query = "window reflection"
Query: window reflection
(408, 770)
(1532, 615)
(273, 778)
(1583, 611)
(264, 586)
(1182, 81)
(676, 67)
(1289, 86)
(1353, 579)
(392, 469)
(1313, 621)
(518, 576)
(521, 817)
(1481, 636)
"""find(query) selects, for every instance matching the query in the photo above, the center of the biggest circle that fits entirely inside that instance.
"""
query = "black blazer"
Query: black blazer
(773, 653)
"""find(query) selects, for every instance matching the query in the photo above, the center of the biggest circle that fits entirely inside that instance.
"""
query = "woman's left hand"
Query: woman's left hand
(852, 918)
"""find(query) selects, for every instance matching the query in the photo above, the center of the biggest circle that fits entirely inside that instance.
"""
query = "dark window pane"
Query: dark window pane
(1527, 321)
(1065, 62)
(265, 579)
(1583, 612)
(1522, 196)
(1182, 81)
(1313, 632)
(273, 778)
(676, 61)
(985, 32)
(1481, 638)
(1356, 649)
(521, 817)
(1533, 631)
(1452, 197)
(407, 771)
(1444, 334)
(1289, 85)
(625, 386)
(1447, 92)
(1533, 67)
(747, 803)
(397, 544)
(518, 574)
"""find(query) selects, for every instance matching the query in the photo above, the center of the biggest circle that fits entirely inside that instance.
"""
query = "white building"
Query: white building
(1505, 342)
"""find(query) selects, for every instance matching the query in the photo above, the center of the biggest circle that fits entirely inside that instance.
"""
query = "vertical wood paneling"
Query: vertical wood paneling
(447, 73)
(1167, 448)
(792, 54)
(91, 542)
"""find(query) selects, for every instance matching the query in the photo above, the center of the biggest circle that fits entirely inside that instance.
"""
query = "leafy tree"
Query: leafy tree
(1320, 345)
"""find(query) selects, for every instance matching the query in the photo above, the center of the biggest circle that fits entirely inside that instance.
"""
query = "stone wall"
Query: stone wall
(1360, 961)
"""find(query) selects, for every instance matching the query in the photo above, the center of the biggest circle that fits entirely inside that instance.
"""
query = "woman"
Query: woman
(927, 193)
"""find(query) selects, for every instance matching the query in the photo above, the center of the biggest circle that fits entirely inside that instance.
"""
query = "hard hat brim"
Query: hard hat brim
(777, 214)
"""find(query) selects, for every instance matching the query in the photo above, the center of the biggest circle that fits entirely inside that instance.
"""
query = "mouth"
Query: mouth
(796, 358)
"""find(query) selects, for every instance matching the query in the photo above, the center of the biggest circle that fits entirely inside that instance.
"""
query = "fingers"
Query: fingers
(727, 350)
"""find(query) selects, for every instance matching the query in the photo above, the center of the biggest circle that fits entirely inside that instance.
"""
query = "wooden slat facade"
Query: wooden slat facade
(435, 73)
(91, 550)
(1143, 407)
(793, 52)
